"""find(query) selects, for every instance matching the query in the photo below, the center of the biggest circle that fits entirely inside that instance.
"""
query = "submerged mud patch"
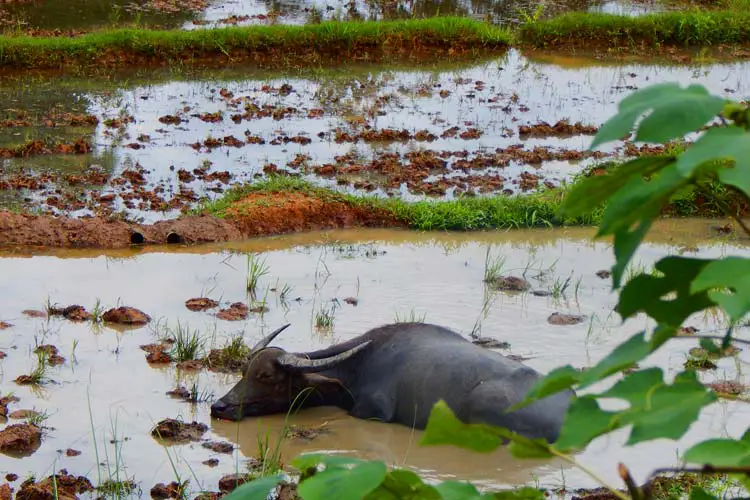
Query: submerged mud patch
(20, 440)
(178, 431)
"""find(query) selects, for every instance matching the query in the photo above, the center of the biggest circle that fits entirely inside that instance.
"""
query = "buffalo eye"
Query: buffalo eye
(265, 376)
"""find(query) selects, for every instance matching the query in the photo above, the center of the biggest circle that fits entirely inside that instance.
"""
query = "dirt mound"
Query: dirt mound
(94, 232)
(20, 440)
(176, 430)
(62, 486)
(126, 316)
(261, 214)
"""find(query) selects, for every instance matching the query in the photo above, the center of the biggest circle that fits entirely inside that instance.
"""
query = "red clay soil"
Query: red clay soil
(256, 215)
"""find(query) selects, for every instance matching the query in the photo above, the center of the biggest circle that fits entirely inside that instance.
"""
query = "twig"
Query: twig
(636, 492)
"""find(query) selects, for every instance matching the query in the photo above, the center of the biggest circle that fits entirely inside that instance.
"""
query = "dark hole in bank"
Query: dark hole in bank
(136, 238)
(173, 238)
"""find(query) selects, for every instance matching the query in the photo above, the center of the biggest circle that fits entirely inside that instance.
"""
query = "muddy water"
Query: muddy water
(495, 97)
(392, 274)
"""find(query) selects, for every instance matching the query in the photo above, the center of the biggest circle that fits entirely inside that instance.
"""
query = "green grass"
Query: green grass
(691, 27)
(467, 214)
(275, 43)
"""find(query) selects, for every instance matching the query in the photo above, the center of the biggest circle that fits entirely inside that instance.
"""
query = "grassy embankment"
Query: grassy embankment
(477, 213)
(329, 42)
(686, 28)
(276, 45)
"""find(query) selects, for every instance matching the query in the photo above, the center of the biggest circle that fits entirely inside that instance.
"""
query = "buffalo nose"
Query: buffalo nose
(218, 407)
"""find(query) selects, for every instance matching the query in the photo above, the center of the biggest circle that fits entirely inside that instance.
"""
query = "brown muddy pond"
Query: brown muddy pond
(436, 130)
(105, 399)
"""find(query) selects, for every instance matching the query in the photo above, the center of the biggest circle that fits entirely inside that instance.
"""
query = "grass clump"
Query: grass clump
(188, 344)
(694, 27)
(274, 44)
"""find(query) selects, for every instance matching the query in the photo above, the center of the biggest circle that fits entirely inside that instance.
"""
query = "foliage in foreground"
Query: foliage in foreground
(657, 408)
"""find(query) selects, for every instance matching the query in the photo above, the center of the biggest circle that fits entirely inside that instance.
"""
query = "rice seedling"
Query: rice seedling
(188, 343)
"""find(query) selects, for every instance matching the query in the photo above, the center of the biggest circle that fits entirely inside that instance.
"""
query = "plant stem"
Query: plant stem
(572, 461)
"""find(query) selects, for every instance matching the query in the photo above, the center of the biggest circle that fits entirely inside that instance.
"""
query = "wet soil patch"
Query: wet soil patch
(560, 129)
(177, 431)
(218, 446)
(172, 490)
(306, 433)
(490, 343)
(20, 440)
(237, 311)
(565, 319)
(73, 313)
(126, 316)
(200, 304)
(509, 284)
(227, 360)
(60, 486)
(728, 387)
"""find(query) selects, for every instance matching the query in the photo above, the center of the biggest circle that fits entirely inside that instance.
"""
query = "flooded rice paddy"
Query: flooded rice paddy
(508, 124)
(105, 398)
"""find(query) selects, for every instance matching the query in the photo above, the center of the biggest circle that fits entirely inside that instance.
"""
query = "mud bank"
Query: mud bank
(257, 214)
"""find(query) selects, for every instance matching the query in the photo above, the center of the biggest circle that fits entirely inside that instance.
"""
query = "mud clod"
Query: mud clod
(6, 492)
(565, 319)
(510, 283)
(33, 313)
(231, 481)
(20, 440)
(159, 358)
(70, 452)
(10, 477)
(176, 430)
(200, 304)
(61, 486)
(490, 343)
(73, 313)
(191, 364)
(4, 325)
(603, 274)
(126, 316)
(211, 462)
(21, 414)
(235, 312)
(162, 491)
(352, 301)
(219, 446)
(729, 387)
(179, 392)
(306, 433)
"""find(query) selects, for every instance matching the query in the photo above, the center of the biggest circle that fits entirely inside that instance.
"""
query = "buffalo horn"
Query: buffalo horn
(300, 364)
(267, 339)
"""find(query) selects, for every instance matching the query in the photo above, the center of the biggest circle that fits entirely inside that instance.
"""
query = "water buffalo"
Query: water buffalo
(395, 373)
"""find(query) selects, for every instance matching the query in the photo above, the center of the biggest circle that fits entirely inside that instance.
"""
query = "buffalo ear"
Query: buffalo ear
(322, 383)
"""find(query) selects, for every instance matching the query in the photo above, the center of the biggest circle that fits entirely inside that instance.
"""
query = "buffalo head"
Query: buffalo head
(274, 379)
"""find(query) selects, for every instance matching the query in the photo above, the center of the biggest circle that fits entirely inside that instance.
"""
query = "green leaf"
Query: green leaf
(523, 447)
(523, 493)
(584, 422)
(343, 484)
(257, 489)
(593, 192)
(699, 493)
(675, 111)
(720, 453)
(660, 410)
(444, 428)
(710, 346)
(626, 242)
(731, 143)
(402, 484)
(555, 381)
(308, 460)
(457, 490)
(646, 292)
(731, 273)
(623, 356)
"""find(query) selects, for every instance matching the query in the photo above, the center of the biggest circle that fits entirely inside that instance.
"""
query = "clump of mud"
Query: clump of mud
(200, 304)
(4, 325)
(20, 440)
(565, 319)
(235, 312)
(490, 343)
(61, 486)
(6, 492)
(306, 433)
(509, 284)
(562, 128)
(178, 431)
(50, 351)
(729, 387)
(218, 446)
(126, 316)
(73, 313)
(232, 481)
(161, 491)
